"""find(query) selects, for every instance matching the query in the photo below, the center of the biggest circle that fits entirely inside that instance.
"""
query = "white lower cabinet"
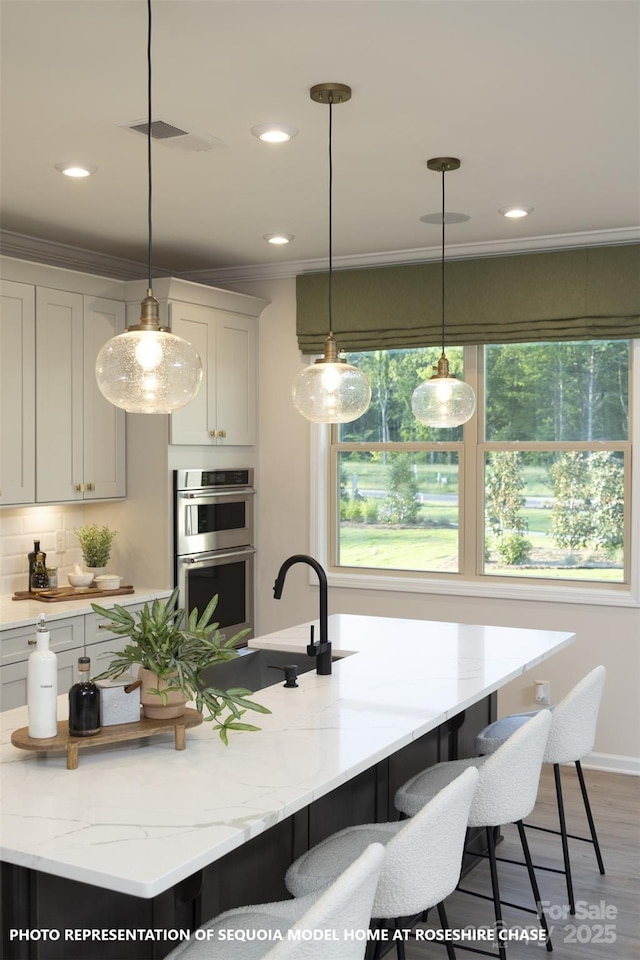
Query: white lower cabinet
(70, 638)
(66, 641)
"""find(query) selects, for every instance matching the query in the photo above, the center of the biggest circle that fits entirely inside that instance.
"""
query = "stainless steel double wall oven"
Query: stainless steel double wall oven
(214, 551)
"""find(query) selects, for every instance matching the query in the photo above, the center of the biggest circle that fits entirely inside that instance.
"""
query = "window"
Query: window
(536, 486)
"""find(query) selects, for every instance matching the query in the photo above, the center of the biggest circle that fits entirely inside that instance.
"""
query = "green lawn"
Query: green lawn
(434, 550)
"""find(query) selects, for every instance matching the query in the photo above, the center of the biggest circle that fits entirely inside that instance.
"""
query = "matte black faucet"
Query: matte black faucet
(322, 650)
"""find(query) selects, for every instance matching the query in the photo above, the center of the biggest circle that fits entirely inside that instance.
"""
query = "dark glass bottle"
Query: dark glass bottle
(84, 703)
(39, 578)
(31, 557)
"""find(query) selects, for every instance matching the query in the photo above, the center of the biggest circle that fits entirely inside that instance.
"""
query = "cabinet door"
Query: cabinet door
(59, 395)
(196, 422)
(236, 380)
(224, 410)
(104, 471)
(17, 393)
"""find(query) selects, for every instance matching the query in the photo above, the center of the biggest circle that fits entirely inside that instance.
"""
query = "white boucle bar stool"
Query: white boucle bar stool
(506, 793)
(341, 908)
(572, 734)
(422, 860)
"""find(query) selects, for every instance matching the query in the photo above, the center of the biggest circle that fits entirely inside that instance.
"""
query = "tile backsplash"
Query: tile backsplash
(53, 526)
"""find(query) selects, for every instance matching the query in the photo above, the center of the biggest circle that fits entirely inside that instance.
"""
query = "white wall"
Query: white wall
(609, 635)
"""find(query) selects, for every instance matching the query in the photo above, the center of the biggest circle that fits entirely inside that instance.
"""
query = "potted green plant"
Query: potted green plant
(96, 543)
(173, 653)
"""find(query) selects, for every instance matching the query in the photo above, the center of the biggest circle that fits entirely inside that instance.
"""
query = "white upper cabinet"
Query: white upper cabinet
(104, 425)
(222, 326)
(80, 437)
(17, 393)
(224, 410)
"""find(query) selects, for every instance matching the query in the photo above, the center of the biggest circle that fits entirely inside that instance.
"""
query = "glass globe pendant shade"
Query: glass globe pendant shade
(331, 390)
(147, 369)
(443, 401)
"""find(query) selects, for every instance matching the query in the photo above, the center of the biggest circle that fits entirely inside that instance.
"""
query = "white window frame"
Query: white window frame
(322, 512)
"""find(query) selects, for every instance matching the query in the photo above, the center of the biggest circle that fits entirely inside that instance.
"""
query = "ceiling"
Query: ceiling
(539, 100)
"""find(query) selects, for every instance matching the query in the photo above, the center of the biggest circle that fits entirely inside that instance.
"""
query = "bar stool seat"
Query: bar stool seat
(341, 907)
(571, 737)
(422, 862)
(506, 793)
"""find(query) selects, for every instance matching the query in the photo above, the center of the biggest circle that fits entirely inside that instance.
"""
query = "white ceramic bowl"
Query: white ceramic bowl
(80, 579)
(108, 581)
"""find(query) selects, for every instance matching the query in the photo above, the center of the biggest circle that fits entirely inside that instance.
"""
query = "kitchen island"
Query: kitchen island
(143, 836)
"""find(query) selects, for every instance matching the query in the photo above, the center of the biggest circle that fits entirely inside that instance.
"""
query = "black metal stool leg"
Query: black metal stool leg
(399, 941)
(444, 923)
(534, 883)
(592, 826)
(565, 842)
(495, 888)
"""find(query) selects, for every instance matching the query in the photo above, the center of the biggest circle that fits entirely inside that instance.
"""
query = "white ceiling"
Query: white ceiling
(538, 98)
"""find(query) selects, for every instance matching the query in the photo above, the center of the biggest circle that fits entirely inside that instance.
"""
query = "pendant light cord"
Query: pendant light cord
(149, 179)
(330, 215)
(442, 262)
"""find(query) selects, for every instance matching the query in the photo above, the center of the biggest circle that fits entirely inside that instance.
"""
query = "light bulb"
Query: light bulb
(148, 351)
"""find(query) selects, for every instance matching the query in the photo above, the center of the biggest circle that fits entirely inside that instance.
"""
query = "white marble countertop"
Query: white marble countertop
(138, 819)
(23, 613)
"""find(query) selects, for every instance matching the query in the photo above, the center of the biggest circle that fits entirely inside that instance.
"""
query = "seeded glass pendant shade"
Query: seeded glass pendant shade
(443, 400)
(147, 369)
(331, 390)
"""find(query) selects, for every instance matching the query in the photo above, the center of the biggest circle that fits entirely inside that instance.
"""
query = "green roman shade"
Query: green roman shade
(588, 294)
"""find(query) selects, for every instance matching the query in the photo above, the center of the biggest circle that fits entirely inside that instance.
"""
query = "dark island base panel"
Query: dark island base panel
(253, 873)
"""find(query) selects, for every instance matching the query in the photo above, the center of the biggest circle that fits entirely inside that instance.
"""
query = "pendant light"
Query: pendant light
(331, 390)
(443, 401)
(147, 369)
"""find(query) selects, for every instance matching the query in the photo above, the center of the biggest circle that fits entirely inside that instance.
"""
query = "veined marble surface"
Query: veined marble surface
(140, 818)
(23, 613)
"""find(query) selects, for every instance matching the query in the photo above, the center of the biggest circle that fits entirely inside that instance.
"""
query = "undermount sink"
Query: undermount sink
(254, 669)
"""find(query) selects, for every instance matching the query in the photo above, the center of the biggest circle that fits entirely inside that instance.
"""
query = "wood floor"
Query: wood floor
(607, 922)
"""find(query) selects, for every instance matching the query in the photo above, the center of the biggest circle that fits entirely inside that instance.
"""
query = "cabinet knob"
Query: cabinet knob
(91, 486)
(80, 487)
(222, 433)
(213, 433)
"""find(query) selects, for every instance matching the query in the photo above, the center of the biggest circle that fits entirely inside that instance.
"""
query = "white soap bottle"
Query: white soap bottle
(42, 686)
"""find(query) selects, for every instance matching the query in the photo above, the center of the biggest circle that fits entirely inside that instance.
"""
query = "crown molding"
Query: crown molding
(22, 247)
(462, 251)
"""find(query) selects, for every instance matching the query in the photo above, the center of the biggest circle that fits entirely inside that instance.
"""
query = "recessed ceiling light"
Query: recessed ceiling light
(515, 213)
(274, 132)
(75, 170)
(278, 239)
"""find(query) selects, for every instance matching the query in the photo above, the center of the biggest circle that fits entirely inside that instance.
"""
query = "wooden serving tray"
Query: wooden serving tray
(118, 733)
(70, 593)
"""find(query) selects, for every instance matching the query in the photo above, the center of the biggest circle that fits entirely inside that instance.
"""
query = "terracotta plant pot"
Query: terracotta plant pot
(153, 707)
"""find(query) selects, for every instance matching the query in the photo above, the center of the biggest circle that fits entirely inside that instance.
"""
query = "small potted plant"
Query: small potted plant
(172, 653)
(96, 543)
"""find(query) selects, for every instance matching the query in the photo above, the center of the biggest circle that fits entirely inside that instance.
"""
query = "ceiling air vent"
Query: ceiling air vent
(171, 136)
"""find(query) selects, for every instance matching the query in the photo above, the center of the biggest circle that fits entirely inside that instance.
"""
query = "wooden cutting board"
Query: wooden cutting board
(70, 593)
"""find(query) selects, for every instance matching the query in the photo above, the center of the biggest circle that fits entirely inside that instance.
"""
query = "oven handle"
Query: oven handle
(206, 558)
(204, 495)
